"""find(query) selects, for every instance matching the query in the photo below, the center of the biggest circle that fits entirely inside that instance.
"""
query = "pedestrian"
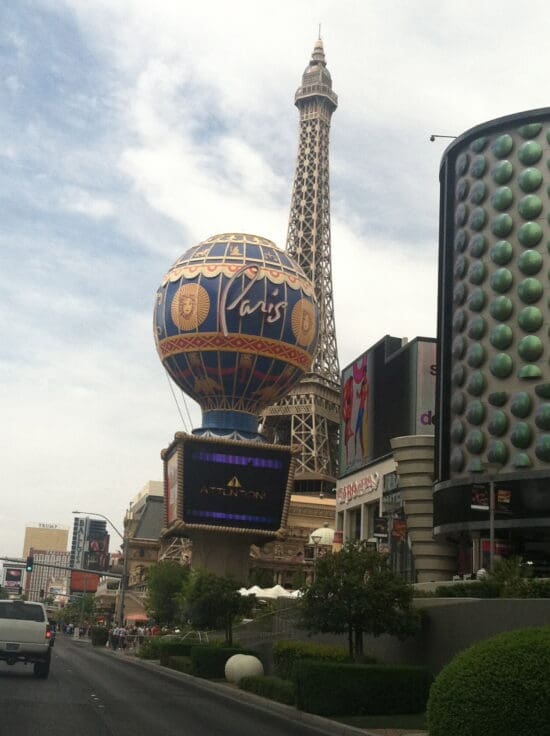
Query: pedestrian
(122, 637)
(115, 638)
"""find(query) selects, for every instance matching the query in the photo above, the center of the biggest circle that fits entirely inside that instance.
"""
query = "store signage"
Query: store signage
(399, 529)
(365, 485)
(381, 527)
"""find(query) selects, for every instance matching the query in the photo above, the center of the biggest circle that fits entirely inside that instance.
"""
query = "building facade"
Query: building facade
(89, 544)
(493, 438)
(45, 535)
(49, 577)
(388, 412)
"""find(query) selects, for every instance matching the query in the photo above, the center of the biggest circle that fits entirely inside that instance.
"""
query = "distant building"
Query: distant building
(47, 578)
(45, 535)
(142, 524)
(90, 544)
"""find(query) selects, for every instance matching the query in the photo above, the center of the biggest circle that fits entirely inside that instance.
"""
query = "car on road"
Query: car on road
(25, 635)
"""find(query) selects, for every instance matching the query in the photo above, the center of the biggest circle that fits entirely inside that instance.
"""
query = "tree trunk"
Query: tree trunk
(350, 641)
(229, 634)
(358, 654)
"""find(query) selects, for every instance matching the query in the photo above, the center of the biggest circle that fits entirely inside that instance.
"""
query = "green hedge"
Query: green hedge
(274, 688)
(498, 687)
(208, 661)
(473, 589)
(175, 647)
(100, 636)
(181, 664)
(287, 653)
(350, 689)
(150, 649)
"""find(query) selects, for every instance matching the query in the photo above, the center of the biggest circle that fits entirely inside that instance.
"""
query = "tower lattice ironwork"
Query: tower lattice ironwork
(309, 415)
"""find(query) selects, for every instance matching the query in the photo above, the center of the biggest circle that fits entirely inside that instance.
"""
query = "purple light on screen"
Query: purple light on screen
(254, 462)
(233, 517)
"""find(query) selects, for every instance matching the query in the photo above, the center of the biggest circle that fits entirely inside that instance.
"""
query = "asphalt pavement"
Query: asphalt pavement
(95, 692)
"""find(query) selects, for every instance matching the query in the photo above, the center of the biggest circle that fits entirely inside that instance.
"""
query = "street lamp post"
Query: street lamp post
(315, 538)
(124, 548)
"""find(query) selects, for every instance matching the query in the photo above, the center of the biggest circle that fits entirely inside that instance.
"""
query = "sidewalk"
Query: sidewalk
(232, 692)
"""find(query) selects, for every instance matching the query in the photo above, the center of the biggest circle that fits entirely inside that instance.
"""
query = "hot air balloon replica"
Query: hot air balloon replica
(235, 325)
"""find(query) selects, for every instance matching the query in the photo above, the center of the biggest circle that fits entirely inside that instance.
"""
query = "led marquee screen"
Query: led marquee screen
(229, 485)
(232, 486)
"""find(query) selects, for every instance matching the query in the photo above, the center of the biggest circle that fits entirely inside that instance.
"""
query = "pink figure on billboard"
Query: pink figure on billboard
(360, 377)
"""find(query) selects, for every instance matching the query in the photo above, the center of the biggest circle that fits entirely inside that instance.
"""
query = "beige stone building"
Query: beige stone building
(44, 535)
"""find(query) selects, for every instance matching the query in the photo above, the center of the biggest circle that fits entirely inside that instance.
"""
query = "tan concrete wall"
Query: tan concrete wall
(414, 455)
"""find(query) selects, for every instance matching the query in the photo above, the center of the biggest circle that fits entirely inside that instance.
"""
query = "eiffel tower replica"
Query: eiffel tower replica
(310, 415)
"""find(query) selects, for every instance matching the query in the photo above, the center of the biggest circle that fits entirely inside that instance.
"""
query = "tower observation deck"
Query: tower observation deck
(309, 416)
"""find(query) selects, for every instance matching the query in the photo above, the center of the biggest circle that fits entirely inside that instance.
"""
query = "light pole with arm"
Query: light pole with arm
(124, 548)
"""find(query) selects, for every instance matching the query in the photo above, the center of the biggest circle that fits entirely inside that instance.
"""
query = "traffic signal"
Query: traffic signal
(30, 563)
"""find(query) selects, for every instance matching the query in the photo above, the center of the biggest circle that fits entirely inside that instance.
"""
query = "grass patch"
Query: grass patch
(412, 721)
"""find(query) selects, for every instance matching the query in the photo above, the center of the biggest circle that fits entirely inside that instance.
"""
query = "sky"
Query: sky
(133, 130)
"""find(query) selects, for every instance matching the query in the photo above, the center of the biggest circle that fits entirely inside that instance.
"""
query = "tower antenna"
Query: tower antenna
(319, 31)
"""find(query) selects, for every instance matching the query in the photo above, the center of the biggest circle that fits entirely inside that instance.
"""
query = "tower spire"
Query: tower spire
(309, 416)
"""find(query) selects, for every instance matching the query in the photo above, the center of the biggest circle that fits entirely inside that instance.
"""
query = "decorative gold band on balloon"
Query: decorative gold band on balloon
(212, 270)
(216, 341)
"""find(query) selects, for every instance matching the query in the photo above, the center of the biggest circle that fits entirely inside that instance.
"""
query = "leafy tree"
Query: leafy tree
(509, 574)
(355, 591)
(3, 594)
(80, 608)
(165, 581)
(262, 577)
(213, 602)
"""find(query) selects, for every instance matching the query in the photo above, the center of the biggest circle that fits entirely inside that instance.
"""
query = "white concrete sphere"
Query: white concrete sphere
(242, 665)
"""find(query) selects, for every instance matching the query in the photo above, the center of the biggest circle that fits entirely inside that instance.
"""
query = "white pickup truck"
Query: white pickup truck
(25, 635)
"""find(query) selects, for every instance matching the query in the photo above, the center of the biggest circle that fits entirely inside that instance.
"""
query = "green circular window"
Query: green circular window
(497, 452)
(475, 385)
(476, 274)
(477, 245)
(521, 435)
(502, 252)
(458, 402)
(530, 348)
(498, 423)
(478, 192)
(542, 448)
(529, 153)
(457, 431)
(501, 365)
(530, 130)
(502, 225)
(542, 417)
(476, 300)
(457, 459)
(459, 320)
(475, 412)
(530, 207)
(530, 290)
(530, 180)
(502, 199)
(530, 319)
(501, 308)
(530, 234)
(501, 337)
(478, 218)
(502, 146)
(501, 280)
(475, 356)
(459, 294)
(461, 190)
(475, 441)
(458, 375)
(476, 328)
(503, 171)
(460, 240)
(521, 405)
(459, 347)
(530, 262)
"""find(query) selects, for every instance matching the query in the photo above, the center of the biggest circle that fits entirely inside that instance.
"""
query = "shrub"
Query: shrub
(274, 688)
(181, 664)
(171, 646)
(537, 588)
(209, 661)
(350, 689)
(100, 636)
(150, 649)
(498, 686)
(287, 653)
(473, 589)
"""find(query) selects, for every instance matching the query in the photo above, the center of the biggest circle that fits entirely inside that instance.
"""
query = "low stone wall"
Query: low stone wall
(449, 626)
